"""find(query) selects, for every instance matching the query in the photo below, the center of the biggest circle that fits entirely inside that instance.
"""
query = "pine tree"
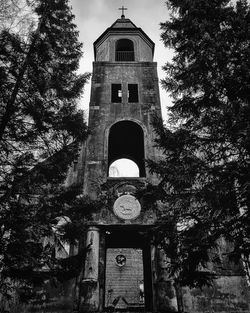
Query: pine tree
(205, 168)
(16, 15)
(40, 132)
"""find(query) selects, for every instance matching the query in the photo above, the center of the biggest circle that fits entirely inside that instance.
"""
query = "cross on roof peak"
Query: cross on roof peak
(123, 9)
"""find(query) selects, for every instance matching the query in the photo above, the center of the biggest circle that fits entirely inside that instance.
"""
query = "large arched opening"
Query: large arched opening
(124, 50)
(126, 141)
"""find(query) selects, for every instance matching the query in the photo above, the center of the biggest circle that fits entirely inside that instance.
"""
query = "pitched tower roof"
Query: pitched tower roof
(123, 26)
(123, 23)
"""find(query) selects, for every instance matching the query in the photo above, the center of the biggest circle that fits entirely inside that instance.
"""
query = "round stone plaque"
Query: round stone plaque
(120, 260)
(127, 207)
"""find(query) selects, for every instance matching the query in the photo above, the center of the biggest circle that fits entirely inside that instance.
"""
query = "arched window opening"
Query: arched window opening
(124, 50)
(124, 168)
(126, 141)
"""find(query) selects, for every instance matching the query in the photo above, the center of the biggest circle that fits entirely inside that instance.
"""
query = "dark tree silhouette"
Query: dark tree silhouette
(205, 169)
(40, 132)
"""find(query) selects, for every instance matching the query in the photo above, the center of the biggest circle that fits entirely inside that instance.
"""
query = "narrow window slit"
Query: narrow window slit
(116, 93)
(133, 93)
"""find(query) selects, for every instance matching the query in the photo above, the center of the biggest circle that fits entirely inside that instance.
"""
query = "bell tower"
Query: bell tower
(122, 267)
(124, 95)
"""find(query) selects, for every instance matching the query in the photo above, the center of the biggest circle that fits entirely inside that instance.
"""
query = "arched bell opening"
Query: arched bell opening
(124, 50)
(126, 141)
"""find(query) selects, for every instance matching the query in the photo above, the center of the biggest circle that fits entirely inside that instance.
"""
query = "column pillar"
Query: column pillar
(89, 290)
(166, 293)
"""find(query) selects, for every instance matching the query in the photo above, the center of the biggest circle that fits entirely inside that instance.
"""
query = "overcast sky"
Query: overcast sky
(93, 17)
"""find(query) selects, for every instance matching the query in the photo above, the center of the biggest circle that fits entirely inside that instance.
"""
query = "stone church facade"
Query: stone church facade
(124, 97)
(124, 269)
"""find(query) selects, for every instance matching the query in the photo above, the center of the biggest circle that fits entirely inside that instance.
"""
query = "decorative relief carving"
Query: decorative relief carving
(127, 207)
(120, 260)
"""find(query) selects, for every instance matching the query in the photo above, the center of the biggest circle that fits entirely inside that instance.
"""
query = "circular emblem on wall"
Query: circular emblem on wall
(120, 260)
(127, 207)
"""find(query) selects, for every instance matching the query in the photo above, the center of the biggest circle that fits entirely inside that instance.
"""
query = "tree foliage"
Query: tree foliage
(40, 132)
(16, 15)
(205, 168)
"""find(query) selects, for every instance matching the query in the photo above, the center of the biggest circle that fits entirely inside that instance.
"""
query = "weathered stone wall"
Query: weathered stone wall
(103, 114)
(229, 291)
(75, 174)
(54, 296)
(124, 281)
(227, 294)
